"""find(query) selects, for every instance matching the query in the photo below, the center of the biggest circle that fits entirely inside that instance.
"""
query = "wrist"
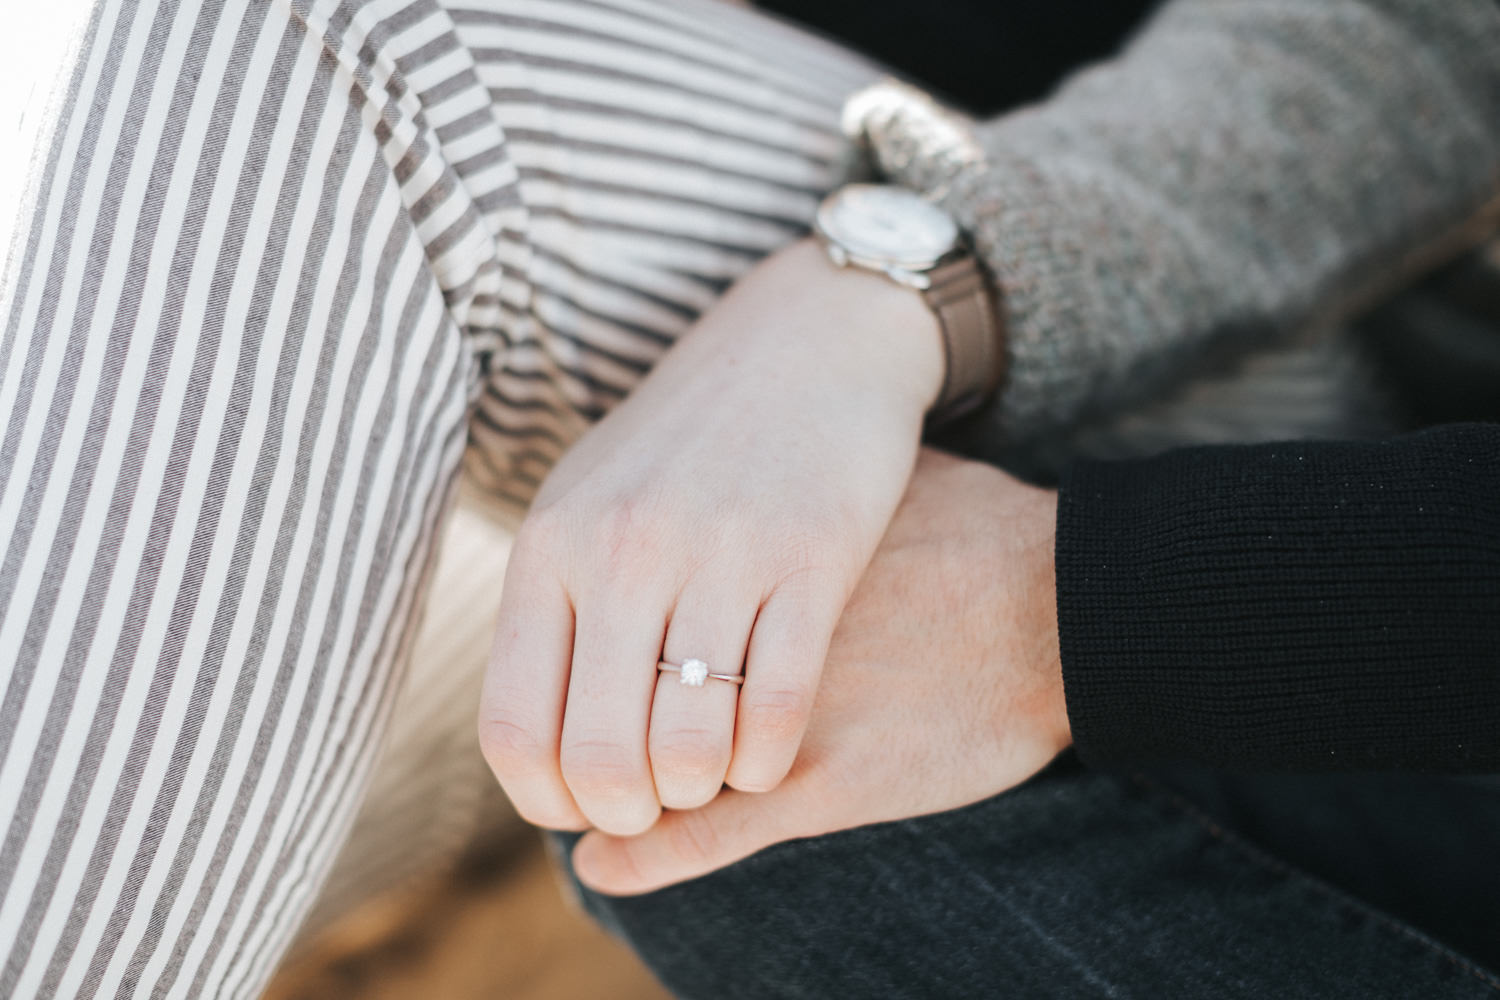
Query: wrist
(867, 326)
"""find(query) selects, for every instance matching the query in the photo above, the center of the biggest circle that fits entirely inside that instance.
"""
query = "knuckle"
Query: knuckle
(776, 716)
(623, 534)
(818, 537)
(618, 523)
(804, 556)
(601, 769)
(737, 528)
(511, 746)
(544, 530)
(546, 816)
(690, 753)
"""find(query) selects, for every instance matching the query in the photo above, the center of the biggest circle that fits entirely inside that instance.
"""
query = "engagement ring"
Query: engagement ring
(694, 672)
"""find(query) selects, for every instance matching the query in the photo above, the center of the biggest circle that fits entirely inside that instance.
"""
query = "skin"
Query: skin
(724, 511)
(943, 686)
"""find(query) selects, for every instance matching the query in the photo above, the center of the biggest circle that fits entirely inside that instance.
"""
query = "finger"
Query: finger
(616, 647)
(521, 702)
(689, 844)
(692, 728)
(788, 644)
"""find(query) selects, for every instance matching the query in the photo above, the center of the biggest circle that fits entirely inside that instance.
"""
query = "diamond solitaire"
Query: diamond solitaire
(694, 672)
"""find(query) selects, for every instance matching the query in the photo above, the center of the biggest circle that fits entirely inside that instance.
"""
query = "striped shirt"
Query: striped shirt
(282, 269)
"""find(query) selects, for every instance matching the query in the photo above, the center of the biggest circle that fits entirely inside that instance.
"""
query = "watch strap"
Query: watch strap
(973, 340)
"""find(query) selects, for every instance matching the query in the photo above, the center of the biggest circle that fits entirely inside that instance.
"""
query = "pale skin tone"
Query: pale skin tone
(726, 511)
(942, 686)
(723, 511)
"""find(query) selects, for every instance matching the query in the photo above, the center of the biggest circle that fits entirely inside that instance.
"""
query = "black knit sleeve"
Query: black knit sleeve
(1303, 606)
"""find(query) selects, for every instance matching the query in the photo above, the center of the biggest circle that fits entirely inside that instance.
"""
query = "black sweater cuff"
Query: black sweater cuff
(1303, 606)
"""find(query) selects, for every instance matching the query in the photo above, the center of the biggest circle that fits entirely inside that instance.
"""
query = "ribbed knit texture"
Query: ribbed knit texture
(1241, 172)
(1307, 606)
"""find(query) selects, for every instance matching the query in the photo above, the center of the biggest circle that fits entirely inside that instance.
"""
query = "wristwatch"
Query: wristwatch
(900, 234)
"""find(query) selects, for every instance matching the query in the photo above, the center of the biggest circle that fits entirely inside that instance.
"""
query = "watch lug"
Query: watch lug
(911, 279)
(837, 254)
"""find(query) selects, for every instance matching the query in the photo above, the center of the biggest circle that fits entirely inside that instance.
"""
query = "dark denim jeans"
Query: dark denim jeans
(1176, 883)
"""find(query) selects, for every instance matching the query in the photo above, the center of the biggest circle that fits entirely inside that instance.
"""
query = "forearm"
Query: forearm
(1241, 171)
(1304, 606)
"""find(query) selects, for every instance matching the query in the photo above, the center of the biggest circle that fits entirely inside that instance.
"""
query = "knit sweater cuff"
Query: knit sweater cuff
(1310, 606)
(1023, 224)
(1240, 173)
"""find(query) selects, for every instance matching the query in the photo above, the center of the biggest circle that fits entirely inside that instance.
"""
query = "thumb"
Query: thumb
(690, 843)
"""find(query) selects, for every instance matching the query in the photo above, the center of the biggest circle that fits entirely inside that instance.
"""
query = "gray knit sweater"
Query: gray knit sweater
(1244, 171)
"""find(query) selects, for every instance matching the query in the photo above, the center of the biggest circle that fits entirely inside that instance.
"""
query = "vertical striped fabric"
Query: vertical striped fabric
(290, 263)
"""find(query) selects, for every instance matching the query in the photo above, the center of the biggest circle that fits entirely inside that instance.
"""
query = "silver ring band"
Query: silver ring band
(693, 672)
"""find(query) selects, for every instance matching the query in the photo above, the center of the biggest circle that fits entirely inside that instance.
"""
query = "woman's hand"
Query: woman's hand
(943, 686)
(723, 512)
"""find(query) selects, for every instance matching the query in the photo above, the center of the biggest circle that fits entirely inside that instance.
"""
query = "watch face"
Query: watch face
(887, 225)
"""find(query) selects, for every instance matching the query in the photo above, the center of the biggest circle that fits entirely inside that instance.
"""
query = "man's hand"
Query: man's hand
(723, 512)
(942, 687)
